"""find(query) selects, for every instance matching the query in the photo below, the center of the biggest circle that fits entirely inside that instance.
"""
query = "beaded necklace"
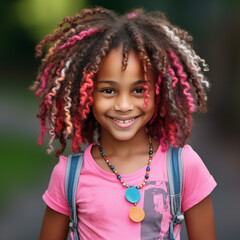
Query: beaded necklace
(132, 194)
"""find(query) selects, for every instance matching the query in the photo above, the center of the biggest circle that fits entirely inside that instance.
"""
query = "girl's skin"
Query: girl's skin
(119, 95)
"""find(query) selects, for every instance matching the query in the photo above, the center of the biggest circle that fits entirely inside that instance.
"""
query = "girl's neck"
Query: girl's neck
(127, 156)
(117, 147)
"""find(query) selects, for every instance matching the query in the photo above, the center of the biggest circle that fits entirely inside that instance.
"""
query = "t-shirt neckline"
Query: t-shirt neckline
(111, 176)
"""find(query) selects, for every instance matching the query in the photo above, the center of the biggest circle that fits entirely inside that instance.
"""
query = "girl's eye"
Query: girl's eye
(139, 90)
(108, 91)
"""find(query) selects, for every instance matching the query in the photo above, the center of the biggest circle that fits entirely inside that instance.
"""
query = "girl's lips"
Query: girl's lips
(124, 123)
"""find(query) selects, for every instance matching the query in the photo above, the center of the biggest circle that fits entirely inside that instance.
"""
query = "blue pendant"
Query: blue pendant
(133, 195)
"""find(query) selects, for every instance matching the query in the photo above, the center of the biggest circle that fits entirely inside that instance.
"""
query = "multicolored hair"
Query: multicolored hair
(65, 80)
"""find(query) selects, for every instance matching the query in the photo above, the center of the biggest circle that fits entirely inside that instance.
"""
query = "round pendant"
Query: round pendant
(133, 195)
(136, 214)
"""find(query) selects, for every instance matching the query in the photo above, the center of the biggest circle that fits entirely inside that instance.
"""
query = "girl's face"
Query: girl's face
(119, 96)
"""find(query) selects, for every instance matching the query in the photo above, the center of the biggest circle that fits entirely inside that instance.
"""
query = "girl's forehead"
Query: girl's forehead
(111, 66)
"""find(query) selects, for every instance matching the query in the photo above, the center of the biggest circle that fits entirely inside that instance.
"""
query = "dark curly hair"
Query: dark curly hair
(67, 73)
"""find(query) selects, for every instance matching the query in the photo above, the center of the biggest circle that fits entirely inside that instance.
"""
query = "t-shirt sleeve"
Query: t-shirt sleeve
(198, 183)
(54, 196)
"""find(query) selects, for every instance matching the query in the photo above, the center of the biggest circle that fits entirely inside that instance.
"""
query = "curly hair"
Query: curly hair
(65, 80)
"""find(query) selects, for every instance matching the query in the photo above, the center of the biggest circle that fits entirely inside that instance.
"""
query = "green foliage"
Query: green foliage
(39, 17)
(23, 163)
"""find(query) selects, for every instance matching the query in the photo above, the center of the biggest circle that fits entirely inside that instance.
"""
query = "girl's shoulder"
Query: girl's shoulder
(198, 182)
(59, 170)
(190, 158)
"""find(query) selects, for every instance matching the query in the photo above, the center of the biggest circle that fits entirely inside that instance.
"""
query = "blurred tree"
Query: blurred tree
(23, 23)
(40, 16)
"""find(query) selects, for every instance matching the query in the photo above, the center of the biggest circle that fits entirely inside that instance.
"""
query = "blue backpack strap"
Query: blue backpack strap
(73, 169)
(175, 179)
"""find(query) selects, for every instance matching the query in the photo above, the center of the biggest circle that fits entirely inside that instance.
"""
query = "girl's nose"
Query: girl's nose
(123, 103)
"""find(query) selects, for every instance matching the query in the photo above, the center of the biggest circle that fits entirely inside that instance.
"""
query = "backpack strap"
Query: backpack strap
(175, 179)
(73, 169)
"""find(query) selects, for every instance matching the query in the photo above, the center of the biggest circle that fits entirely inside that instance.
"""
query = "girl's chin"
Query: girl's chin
(125, 135)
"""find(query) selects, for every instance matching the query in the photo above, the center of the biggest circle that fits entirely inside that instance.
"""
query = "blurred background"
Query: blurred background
(25, 167)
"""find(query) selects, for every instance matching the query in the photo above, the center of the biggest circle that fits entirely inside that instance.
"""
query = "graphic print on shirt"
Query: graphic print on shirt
(157, 209)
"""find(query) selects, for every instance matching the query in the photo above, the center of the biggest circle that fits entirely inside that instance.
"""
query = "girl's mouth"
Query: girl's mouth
(124, 123)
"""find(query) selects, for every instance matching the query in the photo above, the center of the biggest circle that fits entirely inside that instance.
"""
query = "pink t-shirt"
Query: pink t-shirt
(101, 205)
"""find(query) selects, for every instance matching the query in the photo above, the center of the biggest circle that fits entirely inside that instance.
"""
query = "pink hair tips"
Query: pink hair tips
(48, 100)
(42, 116)
(171, 133)
(173, 77)
(44, 78)
(79, 37)
(157, 85)
(131, 15)
(195, 67)
(86, 98)
(183, 77)
(60, 120)
(77, 138)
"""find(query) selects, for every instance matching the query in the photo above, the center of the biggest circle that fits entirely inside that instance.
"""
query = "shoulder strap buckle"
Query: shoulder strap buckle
(72, 226)
(178, 219)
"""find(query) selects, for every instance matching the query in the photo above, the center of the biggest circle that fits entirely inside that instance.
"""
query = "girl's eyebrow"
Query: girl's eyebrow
(115, 83)
(106, 81)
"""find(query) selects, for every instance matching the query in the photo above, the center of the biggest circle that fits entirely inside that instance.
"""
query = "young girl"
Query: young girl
(133, 82)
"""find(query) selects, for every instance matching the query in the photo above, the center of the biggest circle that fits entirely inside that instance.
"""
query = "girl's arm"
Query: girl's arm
(54, 226)
(200, 221)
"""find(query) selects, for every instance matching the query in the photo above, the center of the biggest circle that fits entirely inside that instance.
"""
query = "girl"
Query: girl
(133, 81)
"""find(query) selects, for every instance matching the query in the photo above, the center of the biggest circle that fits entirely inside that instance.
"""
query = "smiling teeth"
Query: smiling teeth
(123, 121)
